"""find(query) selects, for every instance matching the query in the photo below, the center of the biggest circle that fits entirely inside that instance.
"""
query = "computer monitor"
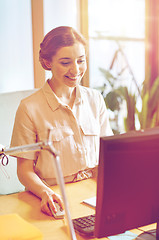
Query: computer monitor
(127, 182)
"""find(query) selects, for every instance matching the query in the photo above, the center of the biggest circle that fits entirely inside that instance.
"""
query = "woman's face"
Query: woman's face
(69, 65)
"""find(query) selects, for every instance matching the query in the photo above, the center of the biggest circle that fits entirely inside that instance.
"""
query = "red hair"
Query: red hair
(55, 39)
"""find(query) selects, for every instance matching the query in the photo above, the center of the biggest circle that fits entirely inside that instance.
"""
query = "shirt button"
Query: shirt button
(80, 150)
(85, 150)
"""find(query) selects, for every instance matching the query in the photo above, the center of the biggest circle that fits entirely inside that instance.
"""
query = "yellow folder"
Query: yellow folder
(13, 227)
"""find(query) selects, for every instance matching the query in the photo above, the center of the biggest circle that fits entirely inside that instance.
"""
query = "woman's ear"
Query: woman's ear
(47, 63)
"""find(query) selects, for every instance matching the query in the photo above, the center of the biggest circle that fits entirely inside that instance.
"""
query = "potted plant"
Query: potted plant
(116, 96)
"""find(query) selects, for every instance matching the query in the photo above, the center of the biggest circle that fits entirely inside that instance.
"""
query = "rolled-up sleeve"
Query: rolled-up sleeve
(23, 132)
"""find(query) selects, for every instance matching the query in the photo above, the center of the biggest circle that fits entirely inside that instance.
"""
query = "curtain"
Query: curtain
(152, 39)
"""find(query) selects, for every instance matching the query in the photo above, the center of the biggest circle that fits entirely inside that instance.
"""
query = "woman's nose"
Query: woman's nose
(74, 69)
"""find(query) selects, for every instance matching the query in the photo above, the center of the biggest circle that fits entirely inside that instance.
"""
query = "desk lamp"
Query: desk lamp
(47, 145)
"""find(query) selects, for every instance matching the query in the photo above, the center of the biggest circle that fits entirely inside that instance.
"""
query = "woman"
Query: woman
(77, 116)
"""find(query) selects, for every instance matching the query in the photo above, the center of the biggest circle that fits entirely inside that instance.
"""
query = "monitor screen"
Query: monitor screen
(127, 182)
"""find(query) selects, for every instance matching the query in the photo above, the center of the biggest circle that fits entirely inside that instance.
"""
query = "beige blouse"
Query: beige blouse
(75, 132)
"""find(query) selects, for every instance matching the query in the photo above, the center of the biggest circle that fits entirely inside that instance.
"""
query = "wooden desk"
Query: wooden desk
(28, 207)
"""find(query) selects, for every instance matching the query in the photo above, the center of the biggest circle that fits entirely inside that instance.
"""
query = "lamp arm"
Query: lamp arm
(60, 180)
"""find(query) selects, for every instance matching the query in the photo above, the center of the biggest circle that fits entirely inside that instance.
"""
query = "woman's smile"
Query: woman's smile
(74, 78)
(69, 65)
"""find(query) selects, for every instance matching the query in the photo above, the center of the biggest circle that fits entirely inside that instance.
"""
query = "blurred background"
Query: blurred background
(123, 52)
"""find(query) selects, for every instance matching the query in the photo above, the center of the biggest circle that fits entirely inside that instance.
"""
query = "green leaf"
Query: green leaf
(108, 77)
(112, 101)
(153, 98)
(144, 111)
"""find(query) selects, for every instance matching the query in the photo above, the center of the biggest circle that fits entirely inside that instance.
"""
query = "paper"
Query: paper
(124, 236)
(90, 201)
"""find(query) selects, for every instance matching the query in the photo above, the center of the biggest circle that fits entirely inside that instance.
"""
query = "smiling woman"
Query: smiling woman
(68, 67)
(63, 52)
(77, 116)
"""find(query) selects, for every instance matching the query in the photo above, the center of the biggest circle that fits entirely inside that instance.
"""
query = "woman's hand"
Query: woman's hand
(32, 182)
(47, 201)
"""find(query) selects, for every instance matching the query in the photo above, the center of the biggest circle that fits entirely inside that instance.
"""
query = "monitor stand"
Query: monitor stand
(150, 235)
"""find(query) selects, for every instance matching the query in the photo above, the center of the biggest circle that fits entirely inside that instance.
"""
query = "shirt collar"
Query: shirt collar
(50, 96)
(53, 100)
(78, 98)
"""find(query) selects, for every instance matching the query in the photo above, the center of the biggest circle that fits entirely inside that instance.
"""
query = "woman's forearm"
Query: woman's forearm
(30, 179)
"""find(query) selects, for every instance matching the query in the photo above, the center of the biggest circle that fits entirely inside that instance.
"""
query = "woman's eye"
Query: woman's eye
(82, 61)
(65, 63)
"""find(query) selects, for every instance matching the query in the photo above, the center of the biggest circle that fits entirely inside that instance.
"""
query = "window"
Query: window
(17, 66)
(117, 43)
(16, 60)
(59, 13)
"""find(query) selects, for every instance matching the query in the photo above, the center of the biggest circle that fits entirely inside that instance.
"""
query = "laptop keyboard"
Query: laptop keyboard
(84, 225)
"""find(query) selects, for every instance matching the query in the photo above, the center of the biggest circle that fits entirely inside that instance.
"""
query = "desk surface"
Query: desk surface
(28, 207)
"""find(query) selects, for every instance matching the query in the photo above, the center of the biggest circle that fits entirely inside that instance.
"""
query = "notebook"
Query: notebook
(12, 226)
